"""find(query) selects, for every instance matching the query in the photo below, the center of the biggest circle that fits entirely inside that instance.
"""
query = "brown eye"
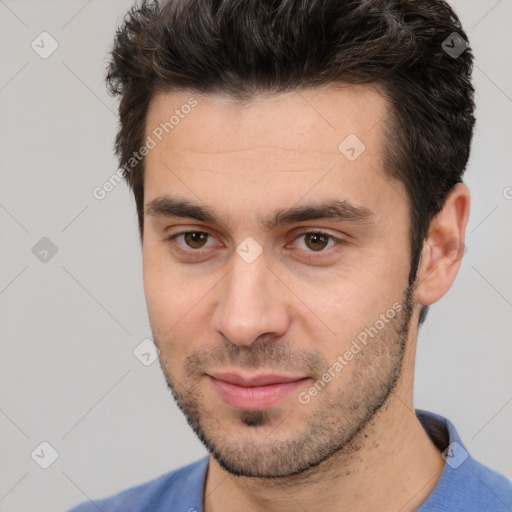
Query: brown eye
(195, 239)
(192, 242)
(316, 241)
(312, 245)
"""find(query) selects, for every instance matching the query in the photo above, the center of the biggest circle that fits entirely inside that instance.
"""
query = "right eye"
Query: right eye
(193, 243)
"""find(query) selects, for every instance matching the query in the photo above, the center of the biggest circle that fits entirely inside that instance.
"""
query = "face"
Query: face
(276, 256)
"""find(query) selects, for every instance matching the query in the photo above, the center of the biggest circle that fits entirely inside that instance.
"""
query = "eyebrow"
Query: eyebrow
(340, 210)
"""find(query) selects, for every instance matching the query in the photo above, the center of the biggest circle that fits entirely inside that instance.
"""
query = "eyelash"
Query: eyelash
(309, 254)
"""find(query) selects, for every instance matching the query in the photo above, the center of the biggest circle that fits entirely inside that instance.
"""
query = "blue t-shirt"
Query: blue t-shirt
(465, 485)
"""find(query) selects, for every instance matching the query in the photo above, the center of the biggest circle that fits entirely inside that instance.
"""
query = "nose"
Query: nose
(253, 302)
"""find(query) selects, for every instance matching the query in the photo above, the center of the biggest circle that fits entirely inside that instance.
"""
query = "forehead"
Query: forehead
(314, 120)
(271, 149)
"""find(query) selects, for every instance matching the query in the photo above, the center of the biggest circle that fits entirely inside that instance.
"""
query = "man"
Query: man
(297, 170)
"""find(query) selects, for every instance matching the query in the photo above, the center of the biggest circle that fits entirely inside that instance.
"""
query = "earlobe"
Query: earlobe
(444, 247)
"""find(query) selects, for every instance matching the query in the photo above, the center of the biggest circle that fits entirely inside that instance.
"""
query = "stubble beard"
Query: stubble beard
(336, 416)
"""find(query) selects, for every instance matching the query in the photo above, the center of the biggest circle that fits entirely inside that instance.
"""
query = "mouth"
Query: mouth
(254, 392)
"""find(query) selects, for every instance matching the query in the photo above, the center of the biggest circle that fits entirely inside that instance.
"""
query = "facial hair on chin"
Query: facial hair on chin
(328, 430)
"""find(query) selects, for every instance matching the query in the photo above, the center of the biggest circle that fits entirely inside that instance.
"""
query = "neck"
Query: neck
(391, 464)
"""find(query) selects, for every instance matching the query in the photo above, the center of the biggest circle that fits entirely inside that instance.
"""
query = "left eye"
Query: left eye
(314, 241)
(317, 240)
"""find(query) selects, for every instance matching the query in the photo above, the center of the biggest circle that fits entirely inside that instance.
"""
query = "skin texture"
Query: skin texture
(356, 444)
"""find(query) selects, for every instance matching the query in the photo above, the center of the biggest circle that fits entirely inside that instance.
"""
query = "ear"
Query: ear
(443, 248)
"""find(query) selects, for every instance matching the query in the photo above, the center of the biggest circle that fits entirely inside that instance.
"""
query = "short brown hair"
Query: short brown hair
(242, 48)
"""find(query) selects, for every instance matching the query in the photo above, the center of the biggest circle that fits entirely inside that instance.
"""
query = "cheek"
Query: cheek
(348, 302)
(165, 291)
(345, 307)
(176, 304)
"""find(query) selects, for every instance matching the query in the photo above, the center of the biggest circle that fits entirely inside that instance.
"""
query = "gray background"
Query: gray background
(70, 324)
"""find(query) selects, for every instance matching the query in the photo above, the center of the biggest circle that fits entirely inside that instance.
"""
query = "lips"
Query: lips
(255, 380)
(254, 392)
